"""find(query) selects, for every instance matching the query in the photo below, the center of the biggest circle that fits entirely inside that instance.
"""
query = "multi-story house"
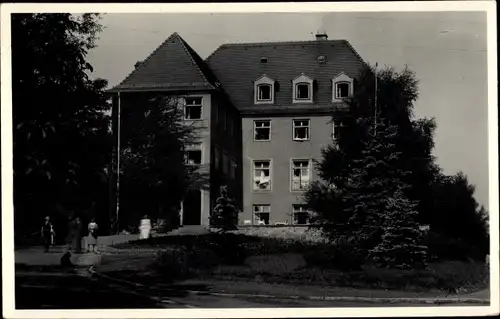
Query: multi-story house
(268, 109)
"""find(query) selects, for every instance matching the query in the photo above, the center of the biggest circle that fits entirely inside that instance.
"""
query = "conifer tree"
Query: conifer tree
(224, 215)
(401, 243)
(382, 219)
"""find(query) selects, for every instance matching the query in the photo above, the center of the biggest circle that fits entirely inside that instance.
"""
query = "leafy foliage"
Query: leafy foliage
(154, 174)
(356, 176)
(61, 138)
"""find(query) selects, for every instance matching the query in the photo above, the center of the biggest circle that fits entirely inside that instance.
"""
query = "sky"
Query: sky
(447, 51)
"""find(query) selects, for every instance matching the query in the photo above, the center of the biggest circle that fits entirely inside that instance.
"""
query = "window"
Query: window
(192, 108)
(337, 127)
(262, 130)
(300, 130)
(262, 175)
(300, 215)
(302, 91)
(342, 90)
(342, 87)
(193, 155)
(217, 157)
(264, 92)
(300, 174)
(261, 214)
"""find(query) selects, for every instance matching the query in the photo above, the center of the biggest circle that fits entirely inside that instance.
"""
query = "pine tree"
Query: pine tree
(224, 215)
(383, 219)
(401, 246)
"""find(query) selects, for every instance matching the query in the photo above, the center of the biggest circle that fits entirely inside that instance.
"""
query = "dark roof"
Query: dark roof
(237, 66)
(174, 65)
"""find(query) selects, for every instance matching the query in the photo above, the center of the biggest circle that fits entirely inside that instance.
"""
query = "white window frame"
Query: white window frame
(339, 79)
(264, 80)
(302, 80)
(255, 128)
(296, 211)
(186, 107)
(194, 147)
(338, 96)
(254, 179)
(303, 182)
(308, 126)
(335, 125)
(261, 209)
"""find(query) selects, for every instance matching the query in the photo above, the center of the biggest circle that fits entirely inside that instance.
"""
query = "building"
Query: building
(267, 109)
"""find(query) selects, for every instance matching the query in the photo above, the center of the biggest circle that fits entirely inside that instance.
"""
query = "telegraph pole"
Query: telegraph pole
(376, 107)
(118, 157)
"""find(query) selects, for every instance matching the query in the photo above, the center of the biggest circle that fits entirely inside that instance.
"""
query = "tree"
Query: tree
(396, 94)
(456, 214)
(433, 193)
(224, 215)
(402, 242)
(155, 176)
(381, 219)
(61, 138)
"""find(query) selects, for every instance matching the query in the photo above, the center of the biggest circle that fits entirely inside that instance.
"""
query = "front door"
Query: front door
(192, 208)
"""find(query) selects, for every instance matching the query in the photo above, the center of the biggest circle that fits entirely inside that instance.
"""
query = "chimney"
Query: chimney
(321, 36)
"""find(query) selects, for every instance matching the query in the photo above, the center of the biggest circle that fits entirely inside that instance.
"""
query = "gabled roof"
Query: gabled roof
(174, 65)
(237, 66)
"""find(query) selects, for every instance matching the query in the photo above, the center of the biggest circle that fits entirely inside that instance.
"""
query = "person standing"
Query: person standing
(144, 227)
(92, 237)
(47, 233)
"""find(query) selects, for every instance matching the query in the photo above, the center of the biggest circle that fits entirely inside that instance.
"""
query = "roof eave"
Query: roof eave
(287, 111)
(163, 88)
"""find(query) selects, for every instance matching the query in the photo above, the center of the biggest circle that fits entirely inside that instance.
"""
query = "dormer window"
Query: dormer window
(302, 89)
(264, 90)
(342, 90)
(342, 87)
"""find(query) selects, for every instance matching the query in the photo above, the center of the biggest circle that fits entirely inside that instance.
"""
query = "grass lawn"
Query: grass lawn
(286, 257)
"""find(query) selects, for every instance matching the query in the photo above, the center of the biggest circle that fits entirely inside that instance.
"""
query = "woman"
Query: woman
(144, 228)
(92, 238)
(47, 233)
